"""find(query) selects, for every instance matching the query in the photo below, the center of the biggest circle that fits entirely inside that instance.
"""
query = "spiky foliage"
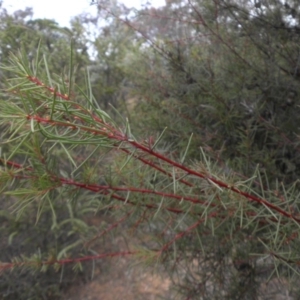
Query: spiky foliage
(206, 196)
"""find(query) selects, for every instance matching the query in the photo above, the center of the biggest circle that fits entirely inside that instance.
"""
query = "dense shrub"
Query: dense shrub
(207, 167)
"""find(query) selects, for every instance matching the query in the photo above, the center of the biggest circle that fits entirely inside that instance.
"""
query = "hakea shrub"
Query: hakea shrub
(217, 236)
(227, 72)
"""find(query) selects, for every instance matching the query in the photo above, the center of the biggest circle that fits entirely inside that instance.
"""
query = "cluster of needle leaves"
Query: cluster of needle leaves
(64, 159)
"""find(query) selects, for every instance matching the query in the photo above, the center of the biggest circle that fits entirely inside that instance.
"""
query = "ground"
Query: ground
(121, 278)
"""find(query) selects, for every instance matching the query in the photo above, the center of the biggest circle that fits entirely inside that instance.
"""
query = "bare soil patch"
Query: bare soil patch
(121, 277)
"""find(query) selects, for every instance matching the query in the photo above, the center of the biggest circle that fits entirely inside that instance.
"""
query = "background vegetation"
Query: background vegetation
(180, 123)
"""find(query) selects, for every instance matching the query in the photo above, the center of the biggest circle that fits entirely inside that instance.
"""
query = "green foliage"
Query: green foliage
(204, 174)
(234, 89)
(47, 37)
